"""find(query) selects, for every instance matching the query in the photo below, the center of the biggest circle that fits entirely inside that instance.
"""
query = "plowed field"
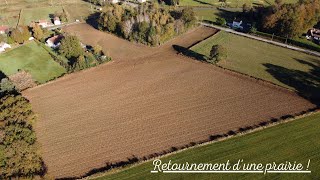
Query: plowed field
(147, 100)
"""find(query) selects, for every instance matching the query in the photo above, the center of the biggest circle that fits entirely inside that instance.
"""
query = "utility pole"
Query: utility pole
(272, 36)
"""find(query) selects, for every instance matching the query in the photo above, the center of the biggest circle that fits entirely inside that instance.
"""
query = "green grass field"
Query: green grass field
(261, 59)
(78, 11)
(211, 14)
(32, 58)
(292, 141)
(36, 14)
(229, 3)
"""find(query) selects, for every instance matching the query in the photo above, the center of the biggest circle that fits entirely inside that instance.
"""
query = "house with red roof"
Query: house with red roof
(54, 42)
(4, 29)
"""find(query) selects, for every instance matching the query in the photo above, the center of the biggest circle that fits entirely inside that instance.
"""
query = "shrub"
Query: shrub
(21, 34)
(22, 80)
(217, 53)
(221, 21)
(6, 86)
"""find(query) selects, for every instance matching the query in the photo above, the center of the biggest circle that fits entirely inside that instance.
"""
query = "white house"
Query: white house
(114, 1)
(56, 21)
(4, 29)
(4, 46)
(236, 24)
(54, 42)
(142, 1)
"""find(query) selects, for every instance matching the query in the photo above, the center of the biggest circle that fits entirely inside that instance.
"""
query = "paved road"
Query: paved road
(262, 39)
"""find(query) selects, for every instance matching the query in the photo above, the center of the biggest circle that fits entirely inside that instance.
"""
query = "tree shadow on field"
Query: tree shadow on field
(228, 14)
(187, 52)
(306, 84)
(2, 75)
(92, 20)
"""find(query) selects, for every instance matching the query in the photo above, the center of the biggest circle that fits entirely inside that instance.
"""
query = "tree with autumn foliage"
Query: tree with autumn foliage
(291, 19)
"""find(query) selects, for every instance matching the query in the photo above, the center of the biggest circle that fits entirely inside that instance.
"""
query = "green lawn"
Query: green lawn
(210, 14)
(78, 11)
(292, 141)
(229, 3)
(262, 60)
(32, 58)
(38, 13)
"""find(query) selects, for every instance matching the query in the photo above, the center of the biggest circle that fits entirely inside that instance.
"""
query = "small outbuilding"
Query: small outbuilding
(56, 21)
(4, 29)
(4, 46)
(114, 1)
(44, 23)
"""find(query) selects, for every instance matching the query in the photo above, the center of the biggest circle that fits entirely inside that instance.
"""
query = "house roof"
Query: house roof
(43, 21)
(237, 20)
(4, 28)
(55, 39)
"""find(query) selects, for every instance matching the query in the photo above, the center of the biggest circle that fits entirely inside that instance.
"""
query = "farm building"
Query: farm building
(114, 1)
(4, 29)
(54, 41)
(313, 34)
(44, 23)
(56, 21)
(4, 46)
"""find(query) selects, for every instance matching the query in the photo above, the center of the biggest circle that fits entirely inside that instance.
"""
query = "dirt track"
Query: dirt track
(146, 101)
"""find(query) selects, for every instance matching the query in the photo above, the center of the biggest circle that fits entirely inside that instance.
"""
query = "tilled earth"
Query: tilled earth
(145, 101)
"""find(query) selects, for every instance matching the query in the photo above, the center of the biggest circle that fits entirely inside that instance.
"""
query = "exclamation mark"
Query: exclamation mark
(308, 164)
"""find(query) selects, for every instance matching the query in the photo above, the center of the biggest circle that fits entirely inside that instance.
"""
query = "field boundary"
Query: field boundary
(287, 46)
(19, 19)
(223, 137)
(243, 75)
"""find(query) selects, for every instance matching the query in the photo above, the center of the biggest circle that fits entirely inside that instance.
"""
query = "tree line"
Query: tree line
(148, 24)
(19, 150)
(288, 20)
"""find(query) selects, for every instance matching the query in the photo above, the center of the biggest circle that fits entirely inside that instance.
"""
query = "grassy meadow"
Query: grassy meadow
(262, 60)
(39, 13)
(292, 141)
(229, 3)
(32, 58)
(211, 14)
(78, 11)
(33, 10)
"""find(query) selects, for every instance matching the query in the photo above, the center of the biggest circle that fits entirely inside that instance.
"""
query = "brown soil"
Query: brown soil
(147, 100)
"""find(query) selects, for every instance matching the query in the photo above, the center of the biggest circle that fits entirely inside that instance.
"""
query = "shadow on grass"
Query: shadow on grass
(2, 75)
(228, 14)
(187, 52)
(306, 84)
